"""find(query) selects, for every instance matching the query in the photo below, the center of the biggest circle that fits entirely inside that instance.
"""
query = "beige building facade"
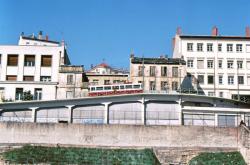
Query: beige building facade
(103, 74)
(157, 74)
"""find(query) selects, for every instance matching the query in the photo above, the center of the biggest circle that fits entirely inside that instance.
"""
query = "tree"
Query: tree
(27, 95)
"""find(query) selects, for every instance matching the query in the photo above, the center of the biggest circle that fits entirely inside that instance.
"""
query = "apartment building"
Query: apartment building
(158, 74)
(33, 65)
(103, 74)
(220, 64)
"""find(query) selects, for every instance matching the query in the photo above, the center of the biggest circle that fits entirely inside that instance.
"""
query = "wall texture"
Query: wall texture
(118, 135)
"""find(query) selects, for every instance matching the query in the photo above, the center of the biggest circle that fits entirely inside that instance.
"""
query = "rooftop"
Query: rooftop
(36, 39)
(161, 60)
(214, 37)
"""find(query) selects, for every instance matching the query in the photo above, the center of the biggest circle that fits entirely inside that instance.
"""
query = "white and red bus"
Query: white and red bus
(116, 89)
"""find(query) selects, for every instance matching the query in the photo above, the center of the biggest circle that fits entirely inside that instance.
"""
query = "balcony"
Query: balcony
(71, 69)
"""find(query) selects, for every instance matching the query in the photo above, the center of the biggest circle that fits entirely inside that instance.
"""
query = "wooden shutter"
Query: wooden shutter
(46, 60)
(11, 78)
(12, 60)
(28, 78)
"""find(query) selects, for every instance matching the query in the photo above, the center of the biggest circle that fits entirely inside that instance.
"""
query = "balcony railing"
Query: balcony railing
(71, 69)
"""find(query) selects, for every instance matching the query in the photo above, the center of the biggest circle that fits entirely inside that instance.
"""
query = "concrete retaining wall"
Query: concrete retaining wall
(118, 135)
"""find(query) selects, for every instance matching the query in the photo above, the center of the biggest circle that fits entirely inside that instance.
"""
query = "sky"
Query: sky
(97, 31)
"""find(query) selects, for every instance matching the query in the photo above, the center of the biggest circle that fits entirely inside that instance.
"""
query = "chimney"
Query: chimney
(22, 34)
(40, 35)
(247, 31)
(47, 38)
(132, 55)
(63, 43)
(178, 31)
(215, 31)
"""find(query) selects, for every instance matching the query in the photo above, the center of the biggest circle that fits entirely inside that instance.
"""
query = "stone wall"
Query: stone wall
(244, 143)
(118, 135)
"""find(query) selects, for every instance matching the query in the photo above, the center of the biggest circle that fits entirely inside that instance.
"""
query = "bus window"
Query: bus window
(107, 88)
(136, 86)
(122, 87)
(99, 88)
(115, 87)
(128, 86)
(92, 89)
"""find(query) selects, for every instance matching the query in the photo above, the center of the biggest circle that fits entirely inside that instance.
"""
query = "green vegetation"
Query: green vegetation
(87, 156)
(226, 158)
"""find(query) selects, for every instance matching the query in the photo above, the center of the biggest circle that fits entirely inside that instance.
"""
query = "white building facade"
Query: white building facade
(219, 64)
(32, 65)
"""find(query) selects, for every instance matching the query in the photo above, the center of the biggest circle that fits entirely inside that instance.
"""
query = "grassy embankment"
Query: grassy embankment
(226, 158)
(71, 155)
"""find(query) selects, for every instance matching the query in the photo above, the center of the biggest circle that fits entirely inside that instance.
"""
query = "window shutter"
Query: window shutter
(12, 60)
(46, 60)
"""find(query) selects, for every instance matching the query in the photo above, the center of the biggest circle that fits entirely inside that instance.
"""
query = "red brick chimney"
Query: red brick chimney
(215, 31)
(46, 37)
(247, 31)
(178, 31)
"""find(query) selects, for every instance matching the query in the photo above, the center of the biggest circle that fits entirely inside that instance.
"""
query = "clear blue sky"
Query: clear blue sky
(110, 29)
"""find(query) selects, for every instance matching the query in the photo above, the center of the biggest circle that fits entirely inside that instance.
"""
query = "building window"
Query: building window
(210, 79)
(238, 47)
(190, 63)
(106, 82)
(46, 60)
(210, 93)
(189, 46)
(164, 71)
(220, 79)
(164, 85)
(152, 85)
(230, 80)
(210, 63)
(209, 47)
(28, 78)
(248, 64)
(200, 79)
(174, 71)
(116, 81)
(229, 47)
(230, 64)
(220, 64)
(199, 47)
(45, 78)
(11, 78)
(226, 120)
(221, 94)
(12, 60)
(219, 47)
(69, 94)
(240, 64)
(140, 70)
(38, 94)
(152, 71)
(70, 79)
(200, 64)
(19, 94)
(174, 85)
(29, 60)
(241, 79)
(95, 82)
